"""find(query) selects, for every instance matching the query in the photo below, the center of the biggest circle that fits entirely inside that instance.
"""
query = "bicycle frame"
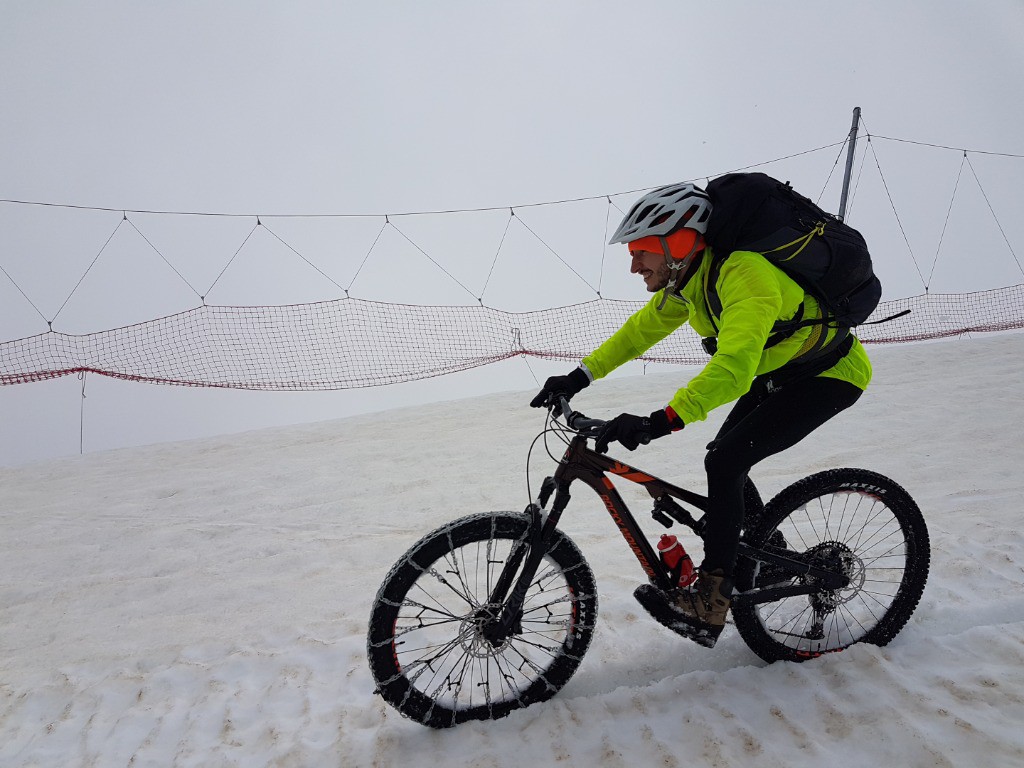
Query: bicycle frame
(580, 462)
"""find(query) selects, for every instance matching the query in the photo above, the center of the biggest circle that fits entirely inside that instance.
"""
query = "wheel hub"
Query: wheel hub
(473, 635)
(838, 557)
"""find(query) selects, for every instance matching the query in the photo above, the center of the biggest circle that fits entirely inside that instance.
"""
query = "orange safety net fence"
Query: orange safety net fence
(350, 343)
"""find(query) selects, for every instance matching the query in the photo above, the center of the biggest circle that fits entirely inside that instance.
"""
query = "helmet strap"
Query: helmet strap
(698, 244)
(680, 269)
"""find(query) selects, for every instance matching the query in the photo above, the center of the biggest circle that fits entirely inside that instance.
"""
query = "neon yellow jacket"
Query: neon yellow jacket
(754, 295)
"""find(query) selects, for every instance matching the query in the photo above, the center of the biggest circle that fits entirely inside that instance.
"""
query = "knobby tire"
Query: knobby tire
(852, 520)
(426, 647)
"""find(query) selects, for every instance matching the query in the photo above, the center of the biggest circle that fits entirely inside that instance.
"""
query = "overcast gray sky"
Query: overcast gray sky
(327, 108)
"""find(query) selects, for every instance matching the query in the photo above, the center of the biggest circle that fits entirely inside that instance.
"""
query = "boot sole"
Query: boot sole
(652, 602)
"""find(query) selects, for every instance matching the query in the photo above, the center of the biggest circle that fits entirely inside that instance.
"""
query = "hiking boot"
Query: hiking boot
(696, 612)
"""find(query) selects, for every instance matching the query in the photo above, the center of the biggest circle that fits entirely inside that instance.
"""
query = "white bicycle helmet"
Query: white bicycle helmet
(663, 211)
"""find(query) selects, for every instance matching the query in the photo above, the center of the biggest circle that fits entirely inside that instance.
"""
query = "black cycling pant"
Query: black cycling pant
(766, 420)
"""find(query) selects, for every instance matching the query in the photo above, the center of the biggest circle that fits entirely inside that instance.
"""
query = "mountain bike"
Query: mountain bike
(494, 611)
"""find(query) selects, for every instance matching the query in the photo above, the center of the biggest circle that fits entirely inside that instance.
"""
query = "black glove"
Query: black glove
(632, 430)
(561, 386)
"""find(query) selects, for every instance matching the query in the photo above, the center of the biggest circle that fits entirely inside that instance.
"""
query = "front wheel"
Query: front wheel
(427, 647)
(853, 521)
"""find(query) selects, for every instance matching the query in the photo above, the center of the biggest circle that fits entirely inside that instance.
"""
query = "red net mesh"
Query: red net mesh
(352, 343)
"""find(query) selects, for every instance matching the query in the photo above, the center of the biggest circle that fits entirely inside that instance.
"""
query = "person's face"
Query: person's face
(652, 268)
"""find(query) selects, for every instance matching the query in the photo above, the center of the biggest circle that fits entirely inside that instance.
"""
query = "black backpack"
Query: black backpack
(829, 259)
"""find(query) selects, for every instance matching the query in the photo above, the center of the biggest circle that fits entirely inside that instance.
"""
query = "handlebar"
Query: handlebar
(582, 424)
(576, 420)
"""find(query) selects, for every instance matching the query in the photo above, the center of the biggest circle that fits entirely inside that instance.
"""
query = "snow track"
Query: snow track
(205, 603)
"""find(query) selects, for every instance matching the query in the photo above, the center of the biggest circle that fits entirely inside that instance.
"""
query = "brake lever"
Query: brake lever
(567, 413)
(563, 405)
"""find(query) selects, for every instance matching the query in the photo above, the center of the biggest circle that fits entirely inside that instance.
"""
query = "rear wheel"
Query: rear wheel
(853, 521)
(427, 647)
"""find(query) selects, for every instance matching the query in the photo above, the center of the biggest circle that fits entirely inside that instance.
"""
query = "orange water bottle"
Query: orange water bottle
(679, 564)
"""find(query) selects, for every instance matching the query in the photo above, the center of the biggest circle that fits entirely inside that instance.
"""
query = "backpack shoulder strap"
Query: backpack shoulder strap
(711, 297)
(782, 329)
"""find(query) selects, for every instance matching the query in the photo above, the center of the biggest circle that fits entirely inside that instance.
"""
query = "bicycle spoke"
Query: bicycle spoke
(437, 636)
(863, 527)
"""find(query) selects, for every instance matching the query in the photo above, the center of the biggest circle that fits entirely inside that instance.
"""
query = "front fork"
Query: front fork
(510, 590)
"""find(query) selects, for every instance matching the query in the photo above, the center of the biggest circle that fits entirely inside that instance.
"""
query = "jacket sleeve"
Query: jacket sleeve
(751, 301)
(645, 328)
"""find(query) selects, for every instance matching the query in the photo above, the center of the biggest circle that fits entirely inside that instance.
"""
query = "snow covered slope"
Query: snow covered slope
(205, 603)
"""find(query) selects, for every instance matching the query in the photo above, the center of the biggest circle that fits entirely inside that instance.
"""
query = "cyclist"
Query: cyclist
(787, 382)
